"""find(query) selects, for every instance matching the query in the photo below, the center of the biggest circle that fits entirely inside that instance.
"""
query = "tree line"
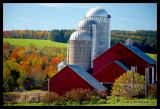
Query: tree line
(27, 34)
(146, 40)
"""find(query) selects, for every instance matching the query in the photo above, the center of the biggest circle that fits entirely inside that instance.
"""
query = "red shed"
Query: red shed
(127, 55)
(72, 76)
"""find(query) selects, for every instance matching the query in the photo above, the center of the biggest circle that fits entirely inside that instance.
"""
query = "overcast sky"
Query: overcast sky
(49, 16)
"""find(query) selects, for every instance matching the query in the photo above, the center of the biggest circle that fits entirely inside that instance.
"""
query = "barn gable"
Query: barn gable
(121, 65)
(110, 72)
(72, 76)
(88, 78)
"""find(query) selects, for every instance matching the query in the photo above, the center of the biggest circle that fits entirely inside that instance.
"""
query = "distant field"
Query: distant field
(35, 42)
(46, 43)
(154, 56)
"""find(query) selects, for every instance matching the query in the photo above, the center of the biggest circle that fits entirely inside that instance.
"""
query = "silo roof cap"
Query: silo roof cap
(97, 11)
(80, 35)
(86, 23)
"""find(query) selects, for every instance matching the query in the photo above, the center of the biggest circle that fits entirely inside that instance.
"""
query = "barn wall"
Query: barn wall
(121, 53)
(66, 80)
(109, 73)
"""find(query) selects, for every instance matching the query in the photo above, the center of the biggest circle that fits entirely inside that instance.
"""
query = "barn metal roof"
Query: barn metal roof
(141, 54)
(121, 65)
(88, 78)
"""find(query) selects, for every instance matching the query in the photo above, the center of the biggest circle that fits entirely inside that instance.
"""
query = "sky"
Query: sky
(49, 16)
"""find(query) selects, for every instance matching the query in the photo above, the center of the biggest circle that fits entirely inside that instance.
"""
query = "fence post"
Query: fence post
(25, 97)
(38, 97)
(146, 80)
(152, 75)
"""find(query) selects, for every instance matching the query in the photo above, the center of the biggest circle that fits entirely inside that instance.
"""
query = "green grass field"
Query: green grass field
(35, 42)
(131, 102)
(154, 56)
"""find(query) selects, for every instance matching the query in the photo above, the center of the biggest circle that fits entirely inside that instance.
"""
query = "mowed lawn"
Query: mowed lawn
(35, 42)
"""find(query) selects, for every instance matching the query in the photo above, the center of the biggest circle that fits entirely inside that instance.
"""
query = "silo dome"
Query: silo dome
(86, 23)
(80, 35)
(97, 11)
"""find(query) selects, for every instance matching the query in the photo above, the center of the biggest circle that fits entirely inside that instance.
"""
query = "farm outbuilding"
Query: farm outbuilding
(110, 72)
(122, 57)
(73, 76)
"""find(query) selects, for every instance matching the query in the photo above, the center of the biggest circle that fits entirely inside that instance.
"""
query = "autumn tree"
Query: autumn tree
(21, 79)
(7, 49)
(50, 70)
(29, 67)
(129, 84)
(10, 75)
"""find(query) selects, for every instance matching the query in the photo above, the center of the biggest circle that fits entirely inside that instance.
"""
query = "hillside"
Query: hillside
(35, 42)
(146, 40)
(29, 66)
(45, 43)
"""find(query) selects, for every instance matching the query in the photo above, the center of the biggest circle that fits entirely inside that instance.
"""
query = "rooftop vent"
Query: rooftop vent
(129, 42)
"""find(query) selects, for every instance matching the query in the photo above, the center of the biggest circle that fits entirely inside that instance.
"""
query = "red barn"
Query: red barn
(106, 68)
(110, 71)
(118, 59)
(72, 76)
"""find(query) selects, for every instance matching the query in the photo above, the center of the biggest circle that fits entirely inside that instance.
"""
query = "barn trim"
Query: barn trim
(121, 65)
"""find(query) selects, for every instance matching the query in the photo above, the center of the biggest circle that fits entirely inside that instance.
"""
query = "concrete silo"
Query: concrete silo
(88, 25)
(91, 39)
(79, 49)
(100, 32)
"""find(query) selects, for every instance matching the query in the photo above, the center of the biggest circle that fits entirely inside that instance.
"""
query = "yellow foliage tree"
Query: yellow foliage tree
(128, 85)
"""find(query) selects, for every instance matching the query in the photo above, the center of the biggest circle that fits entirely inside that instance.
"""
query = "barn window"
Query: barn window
(119, 52)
